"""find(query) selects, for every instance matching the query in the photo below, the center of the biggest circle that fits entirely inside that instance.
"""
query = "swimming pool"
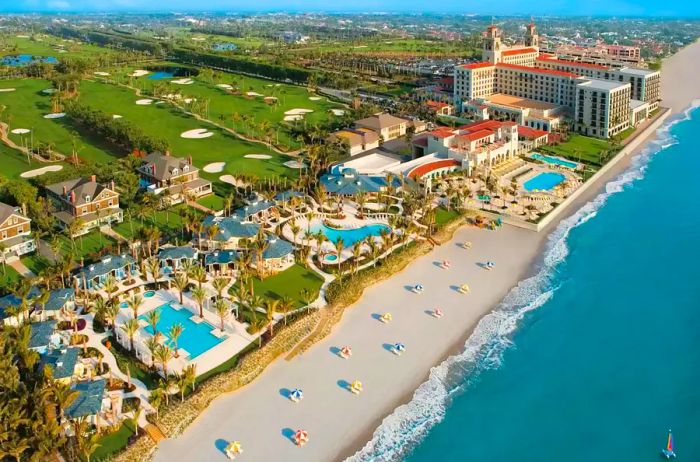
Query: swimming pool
(149, 293)
(23, 60)
(350, 236)
(544, 181)
(196, 338)
(554, 160)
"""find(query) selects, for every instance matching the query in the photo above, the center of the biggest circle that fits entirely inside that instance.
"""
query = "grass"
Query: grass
(289, 283)
(136, 368)
(212, 202)
(579, 148)
(35, 262)
(167, 221)
(14, 162)
(46, 45)
(8, 277)
(25, 108)
(113, 442)
(168, 123)
(444, 216)
(87, 246)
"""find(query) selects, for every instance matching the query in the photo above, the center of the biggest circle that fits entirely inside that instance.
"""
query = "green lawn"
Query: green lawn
(169, 123)
(212, 202)
(167, 221)
(87, 246)
(8, 277)
(25, 108)
(579, 148)
(47, 45)
(14, 162)
(444, 216)
(113, 442)
(35, 262)
(289, 283)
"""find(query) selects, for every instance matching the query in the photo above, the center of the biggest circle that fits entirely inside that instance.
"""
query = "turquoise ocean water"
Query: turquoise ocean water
(594, 357)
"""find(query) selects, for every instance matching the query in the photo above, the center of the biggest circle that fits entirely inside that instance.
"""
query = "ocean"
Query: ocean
(594, 357)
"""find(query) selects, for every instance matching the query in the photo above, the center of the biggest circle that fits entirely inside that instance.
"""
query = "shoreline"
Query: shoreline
(520, 251)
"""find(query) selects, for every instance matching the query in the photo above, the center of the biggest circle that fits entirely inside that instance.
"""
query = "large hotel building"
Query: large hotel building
(539, 90)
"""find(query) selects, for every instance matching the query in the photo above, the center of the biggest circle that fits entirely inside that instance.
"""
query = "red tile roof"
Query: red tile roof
(421, 142)
(531, 133)
(537, 70)
(481, 125)
(436, 104)
(480, 65)
(443, 132)
(564, 62)
(424, 169)
(476, 135)
(520, 51)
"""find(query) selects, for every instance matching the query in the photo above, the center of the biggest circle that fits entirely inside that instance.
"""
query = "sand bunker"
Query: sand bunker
(41, 171)
(144, 102)
(293, 118)
(214, 167)
(189, 100)
(138, 73)
(185, 81)
(315, 98)
(197, 133)
(49, 91)
(225, 86)
(20, 131)
(116, 116)
(338, 112)
(55, 115)
(5, 90)
(199, 39)
(22, 36)
(252, 93)
(228, 179)
(298, 111)
(258, 156)
(293, 164)
(101, 74)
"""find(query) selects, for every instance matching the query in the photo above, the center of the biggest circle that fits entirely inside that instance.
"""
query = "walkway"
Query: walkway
(18, 266)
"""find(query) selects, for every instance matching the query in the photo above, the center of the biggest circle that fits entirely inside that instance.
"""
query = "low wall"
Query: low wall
(633, 144)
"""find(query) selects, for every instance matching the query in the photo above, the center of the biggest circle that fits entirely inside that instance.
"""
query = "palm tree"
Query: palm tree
(356, 254)
(152, 317)
(130, 327)
(152, 344)
(219, 285)
(284, 306)
(199, 275)
(270, 306)
(222, 309)
(174, 334)
(182, 382)
(307, 298)
(163, 355)
(154, 268)
(200, 295)
(134, 302)
(110, 286)
(181, 282)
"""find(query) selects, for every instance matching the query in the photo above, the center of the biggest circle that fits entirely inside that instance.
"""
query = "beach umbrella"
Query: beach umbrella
(437, 313)
(399, 348)
(445, 264)
(464, 288)
(346, 351)
(356, 387)
(233, 448)
(386, 317)
(467, 245)
(301, 437)
(296, 395)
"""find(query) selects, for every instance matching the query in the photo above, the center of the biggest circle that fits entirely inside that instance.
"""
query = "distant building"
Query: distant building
(358, 141)
(231, 232)
(85, 199)
(91, 400)
(348, 182)
(277, 256)
(172, 258)
(15, 233)
(119, 267)
(63, 363)
(387, 126)
(161, 172)
(439, 108)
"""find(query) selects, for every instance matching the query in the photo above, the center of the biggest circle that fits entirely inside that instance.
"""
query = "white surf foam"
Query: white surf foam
(402, 430)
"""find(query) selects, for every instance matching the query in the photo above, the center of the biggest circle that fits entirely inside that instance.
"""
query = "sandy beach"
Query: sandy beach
(338, 422)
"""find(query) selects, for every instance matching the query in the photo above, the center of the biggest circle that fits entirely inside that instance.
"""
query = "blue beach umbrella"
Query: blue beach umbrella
(297, 394)
(399, 347)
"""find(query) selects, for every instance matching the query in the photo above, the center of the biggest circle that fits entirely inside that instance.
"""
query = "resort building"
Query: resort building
(348, 182)
(358, 140)
(92, 400)
(15, 233)
(63, 363)
(439, 108)
(13, 309)
(602, 107)
(230, 233)
(387, 126)
(172, 259)
(85, 199)
(60, 301)
(42, 335)
(161, 172)
(221, 262)
(119, 267)
(530, 138)
(603, 54)
(538, 90)
(277, 256)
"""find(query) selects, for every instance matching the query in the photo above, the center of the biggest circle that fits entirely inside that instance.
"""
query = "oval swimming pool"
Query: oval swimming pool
(544, 181)
(350, 236)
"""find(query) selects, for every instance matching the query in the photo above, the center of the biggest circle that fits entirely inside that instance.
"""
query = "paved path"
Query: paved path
(18, 266)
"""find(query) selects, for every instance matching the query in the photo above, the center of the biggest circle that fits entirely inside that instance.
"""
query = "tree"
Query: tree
(219, 285)
(163, 355)
(174, 334)
(152, 317)
(270, 306)
(134, 302)
(130, 327)
(284, 306)
(222, 309)
(181, 282)
(200, 296)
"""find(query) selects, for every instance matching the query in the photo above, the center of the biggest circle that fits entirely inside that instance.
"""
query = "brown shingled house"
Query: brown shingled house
(15, 233)
(161, 172)
(84, 198)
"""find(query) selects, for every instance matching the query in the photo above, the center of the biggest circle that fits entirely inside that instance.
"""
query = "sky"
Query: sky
(680, 8)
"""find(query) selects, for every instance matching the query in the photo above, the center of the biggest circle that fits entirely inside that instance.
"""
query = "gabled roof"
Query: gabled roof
(89, 400)
(530, 133)
(58, 298)
(61, 360)
(286, 195)
(12, 300)
(380, 121)
(80, 189)
(6, 211)
(231, 227)
(477, 135)
(41, 333)
(106, 266)
(176, 253)
(277, 248)
(164, 166)
(251, 209)
(518, 51)
(221, 257)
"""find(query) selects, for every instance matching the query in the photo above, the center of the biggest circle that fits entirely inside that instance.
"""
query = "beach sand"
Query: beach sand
(340, 423)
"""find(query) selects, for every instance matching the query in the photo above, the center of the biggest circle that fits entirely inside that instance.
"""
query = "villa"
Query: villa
(531, 138)
(43, 334)
(94, 276)
(231, 234)
(60, 300)
(90, 402)
(63, 363)
(348, 182)
(15, 233)
(173, 258)
(358, 140)
(11, 302)
(86, 200)
(277, 256)
(387, 126)
(439, 107)
(161, 172)
(256, 209)
(222, 262)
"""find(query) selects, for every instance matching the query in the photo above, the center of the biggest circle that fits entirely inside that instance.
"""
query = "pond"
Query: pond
(24, 60)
